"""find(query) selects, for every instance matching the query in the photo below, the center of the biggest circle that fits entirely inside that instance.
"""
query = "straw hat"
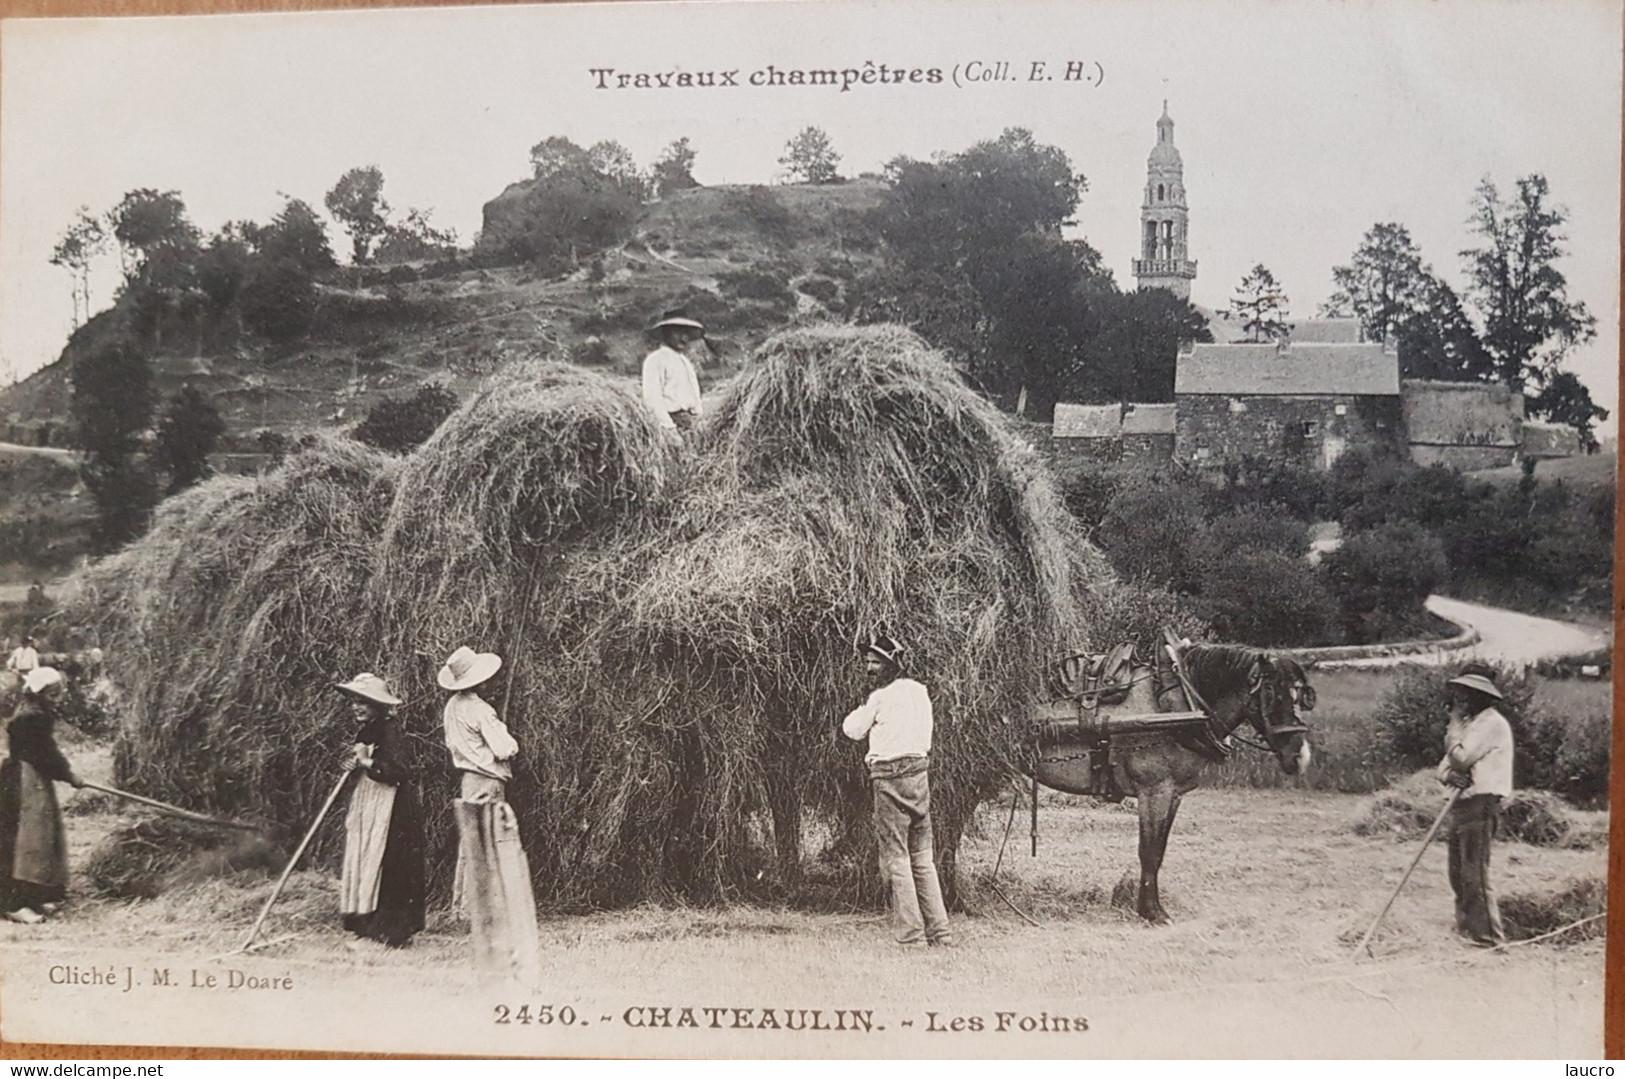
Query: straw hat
(41, 678)
(884, 647)
(466, 668)
(678, 318)
(1476, 682)
(368, 687)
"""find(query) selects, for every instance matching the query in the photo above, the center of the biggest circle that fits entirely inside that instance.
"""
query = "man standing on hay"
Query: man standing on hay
(33, 845)
(897, 721)
(1478, 762)
(492, 880)
(671, 389)
(23, 658)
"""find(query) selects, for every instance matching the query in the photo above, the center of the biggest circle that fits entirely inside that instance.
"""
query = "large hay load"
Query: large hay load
(678, 623)
(225, 625)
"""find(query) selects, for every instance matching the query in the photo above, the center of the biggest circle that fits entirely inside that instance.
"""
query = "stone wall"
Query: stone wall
(1308, 431)
(1148, 448)
(1464, 458)
(1462, 424)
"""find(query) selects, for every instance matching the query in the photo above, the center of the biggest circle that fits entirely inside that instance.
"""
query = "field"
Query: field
(1269, 890)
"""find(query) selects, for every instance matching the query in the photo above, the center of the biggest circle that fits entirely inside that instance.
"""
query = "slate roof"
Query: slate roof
(1087, 421)
(1298, 370)
(1326, 331)
(1155, 419)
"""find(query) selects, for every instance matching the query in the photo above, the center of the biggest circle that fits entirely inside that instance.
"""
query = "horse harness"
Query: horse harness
(1081, 731)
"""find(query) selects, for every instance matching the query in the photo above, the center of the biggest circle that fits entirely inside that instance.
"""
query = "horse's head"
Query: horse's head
(1280, 692)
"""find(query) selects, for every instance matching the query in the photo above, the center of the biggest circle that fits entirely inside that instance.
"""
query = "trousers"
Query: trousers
(1473, 823)
(902, 792)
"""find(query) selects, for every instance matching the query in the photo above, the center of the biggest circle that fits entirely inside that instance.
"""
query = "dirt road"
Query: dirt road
(1504, 636)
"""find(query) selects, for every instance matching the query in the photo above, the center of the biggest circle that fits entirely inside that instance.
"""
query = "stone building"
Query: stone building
(1466, 425)
(1164, 218)
(1306, 404)
(1148, 432)
(1086, 433)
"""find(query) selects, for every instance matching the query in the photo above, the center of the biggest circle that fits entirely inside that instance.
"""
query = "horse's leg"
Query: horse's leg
(1158, 804)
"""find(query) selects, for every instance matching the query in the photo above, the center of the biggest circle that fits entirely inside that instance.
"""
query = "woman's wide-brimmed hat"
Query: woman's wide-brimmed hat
(41, 678)
(678, 318)
(1476, 682)
(466, 668)
(368, 687)
(884, 647)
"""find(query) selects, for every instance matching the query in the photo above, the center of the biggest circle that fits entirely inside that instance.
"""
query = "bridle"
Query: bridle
(1262, 695)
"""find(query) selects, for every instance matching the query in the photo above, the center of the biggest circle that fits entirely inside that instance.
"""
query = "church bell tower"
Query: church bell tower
(1163, 218)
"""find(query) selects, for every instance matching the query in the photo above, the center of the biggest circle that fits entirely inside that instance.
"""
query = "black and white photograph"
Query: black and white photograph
(811, 528)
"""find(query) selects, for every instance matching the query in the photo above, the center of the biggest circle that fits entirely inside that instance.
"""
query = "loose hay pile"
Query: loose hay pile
(1526, 915)
(1408, 808)
(148, 859)
(678, 623)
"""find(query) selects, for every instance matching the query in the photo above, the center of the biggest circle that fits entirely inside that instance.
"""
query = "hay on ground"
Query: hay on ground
(1532, 914)
(148, 859)
(1408, 808)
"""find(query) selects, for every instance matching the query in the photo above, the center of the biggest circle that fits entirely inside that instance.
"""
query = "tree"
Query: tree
(674, 168)
(1259, 305)
(400, 425)
(154, 235)
(1133, 345)
(357, 203)
(80, 243)
(295, 236)
(1391, 290)
(415, 238)
(111, 402)
(1564, 399)
(976, 261)
(810, 157)
(613, 161)
(187, 433)
(1530, 324)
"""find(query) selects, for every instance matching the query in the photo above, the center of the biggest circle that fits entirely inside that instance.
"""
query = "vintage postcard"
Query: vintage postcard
(818, 528)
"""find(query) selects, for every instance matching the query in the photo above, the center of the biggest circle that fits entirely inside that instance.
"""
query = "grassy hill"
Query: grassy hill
(745, 259)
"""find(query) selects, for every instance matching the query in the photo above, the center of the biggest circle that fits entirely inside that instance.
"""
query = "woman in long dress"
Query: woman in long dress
(33, 845)
(382, 882)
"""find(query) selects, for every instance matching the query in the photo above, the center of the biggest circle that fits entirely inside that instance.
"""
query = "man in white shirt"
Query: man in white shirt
(1478, 762)
(492, 880)
(897, 721)
(23, 658)
(671, 389)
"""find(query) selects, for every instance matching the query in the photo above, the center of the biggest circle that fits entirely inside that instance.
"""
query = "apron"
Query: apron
(366, 832)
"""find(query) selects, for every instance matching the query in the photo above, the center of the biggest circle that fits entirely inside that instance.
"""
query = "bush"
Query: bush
(1382, 577)
(769, 284)
(279, 300)
(1580, 765)
(1267, 599)
(1412, 718)
(1283, 487)
(1088, 487)
(1257, 528)
(825, 291)
(399, 426)
(1148, 528)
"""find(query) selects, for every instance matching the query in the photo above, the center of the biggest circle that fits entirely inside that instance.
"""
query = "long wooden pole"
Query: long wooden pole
(173, 811)
(1427, 841)
(297, 854)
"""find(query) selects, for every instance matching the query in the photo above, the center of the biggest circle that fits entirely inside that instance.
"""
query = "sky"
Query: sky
(1301, 122)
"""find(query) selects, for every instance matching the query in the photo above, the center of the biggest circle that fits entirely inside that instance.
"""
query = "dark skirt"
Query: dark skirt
(33, 845)
(401, 877)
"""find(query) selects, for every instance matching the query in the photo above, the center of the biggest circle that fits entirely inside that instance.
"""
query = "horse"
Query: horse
(1159, 763)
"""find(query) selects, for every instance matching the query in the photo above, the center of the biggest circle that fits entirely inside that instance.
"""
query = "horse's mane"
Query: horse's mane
(1221, 664)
